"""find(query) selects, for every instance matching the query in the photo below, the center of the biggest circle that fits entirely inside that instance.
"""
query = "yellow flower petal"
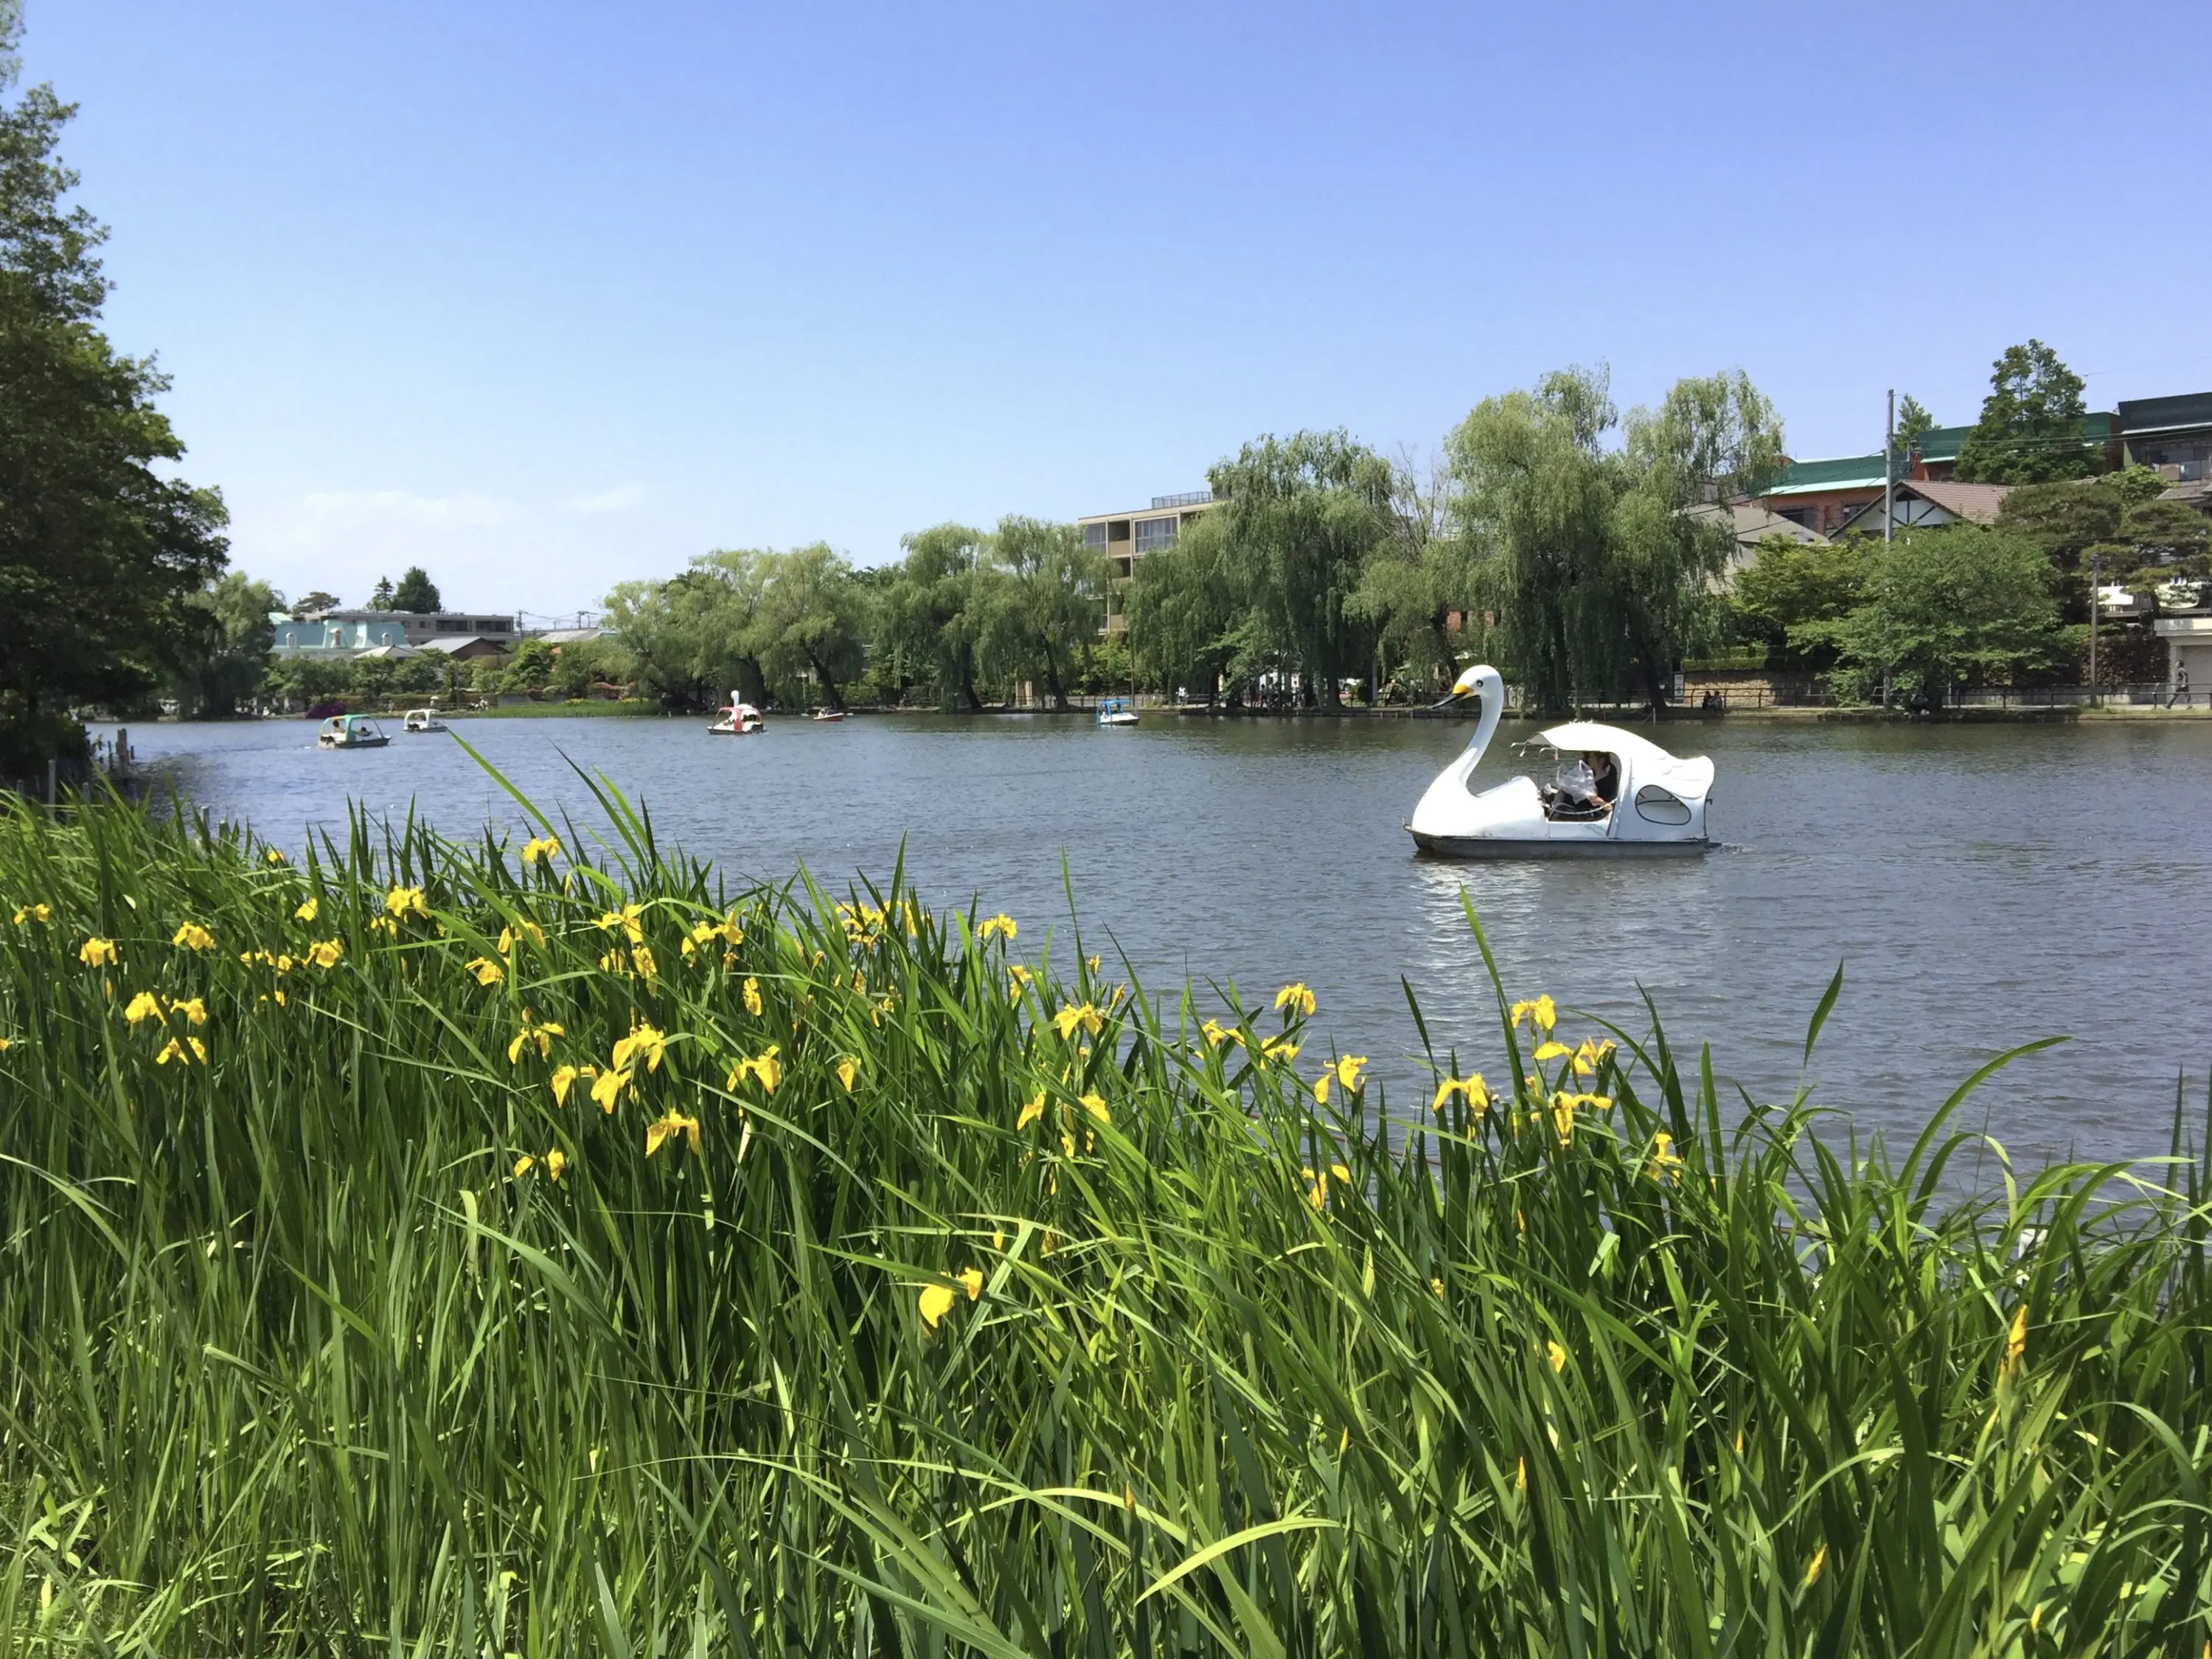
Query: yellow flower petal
(193, 936)
(936, 1302)
(973, 1278)
(143, 1006)
(307, 911)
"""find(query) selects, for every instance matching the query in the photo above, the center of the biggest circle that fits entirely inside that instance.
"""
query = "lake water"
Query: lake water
(1982, 886)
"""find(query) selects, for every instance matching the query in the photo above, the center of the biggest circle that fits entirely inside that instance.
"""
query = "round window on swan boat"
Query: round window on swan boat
(1658, 805)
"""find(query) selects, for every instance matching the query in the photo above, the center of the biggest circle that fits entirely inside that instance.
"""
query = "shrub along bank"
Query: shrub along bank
(470, 1247)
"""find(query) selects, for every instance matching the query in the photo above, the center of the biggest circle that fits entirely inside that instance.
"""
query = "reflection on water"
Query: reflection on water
(1981, 886)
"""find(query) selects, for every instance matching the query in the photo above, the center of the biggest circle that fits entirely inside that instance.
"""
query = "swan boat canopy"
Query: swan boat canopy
(422, 719)
(1616, 795)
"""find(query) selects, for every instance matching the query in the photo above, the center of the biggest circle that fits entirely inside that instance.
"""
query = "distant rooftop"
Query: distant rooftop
(1188, 498)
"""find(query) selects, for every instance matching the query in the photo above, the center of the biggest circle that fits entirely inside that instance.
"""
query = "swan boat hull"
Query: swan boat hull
(1630, 799)
(1495, 847)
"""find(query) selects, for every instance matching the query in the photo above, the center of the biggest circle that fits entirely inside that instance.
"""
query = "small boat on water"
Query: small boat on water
(350, 731)
(1117, 711)
(829, 714)
(737, 719)
(422, 720)
(1613, 794)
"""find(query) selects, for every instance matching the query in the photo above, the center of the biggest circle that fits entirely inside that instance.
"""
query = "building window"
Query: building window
(1152, 534)
(1094, 535)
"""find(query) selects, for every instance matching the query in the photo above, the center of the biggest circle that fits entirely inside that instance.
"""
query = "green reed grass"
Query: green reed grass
(294, 1360)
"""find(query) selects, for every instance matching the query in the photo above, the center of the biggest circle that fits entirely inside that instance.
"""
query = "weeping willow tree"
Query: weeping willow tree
(1600, 561)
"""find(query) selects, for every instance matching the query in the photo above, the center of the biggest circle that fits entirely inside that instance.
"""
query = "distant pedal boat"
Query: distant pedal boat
(350, 731)
(1657, 809)
(422, 720)
(1117, 711)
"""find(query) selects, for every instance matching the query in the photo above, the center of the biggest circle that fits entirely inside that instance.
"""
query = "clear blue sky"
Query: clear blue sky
(546, 295)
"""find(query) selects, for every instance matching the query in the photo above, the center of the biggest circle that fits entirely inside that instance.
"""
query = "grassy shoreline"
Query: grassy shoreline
(450, 1244)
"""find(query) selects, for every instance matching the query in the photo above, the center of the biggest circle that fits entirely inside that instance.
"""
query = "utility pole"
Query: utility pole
(2096, 570)
(1889, 469)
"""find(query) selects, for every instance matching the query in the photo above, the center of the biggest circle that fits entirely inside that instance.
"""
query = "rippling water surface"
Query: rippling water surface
(1982, 886)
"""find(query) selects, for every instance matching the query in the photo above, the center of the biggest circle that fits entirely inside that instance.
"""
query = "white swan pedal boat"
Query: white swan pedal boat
(1617, 795)
(737, 720)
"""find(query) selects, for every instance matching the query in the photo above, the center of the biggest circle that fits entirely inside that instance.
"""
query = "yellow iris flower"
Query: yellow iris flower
(511, 937)
(403, 902)
(487, 971)
(193, 936)
(307, 910)
(1556, 1355)
(1344, 1074)
(534, 849)
(846, 1071)
(1281, 1048)
(40, 914)
(626, 920)
(752, 996)
(1591, 1055)
(1018, 980)
(98, 953)
(2016, 1340)
(176, 1051)
(1473, 1089)
(192, 1008)
(1295, 998)
(1067, 1018)
(326, 954)
(1095, 1105)
(1216, 1034)
(1665, 1160)
(607, 1087)
(1032, 1110)
(523, 1166)
(643, 1040)
(765, 1068)
(557, 1162)
(143, 1006)
(666, 1126)
(1542, 1011)
(532, 1033)
(1000, 925)
(972, 1278)
(1553, 1051)
(563, 1077)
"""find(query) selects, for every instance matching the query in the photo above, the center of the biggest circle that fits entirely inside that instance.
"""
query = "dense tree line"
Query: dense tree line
(104, 559)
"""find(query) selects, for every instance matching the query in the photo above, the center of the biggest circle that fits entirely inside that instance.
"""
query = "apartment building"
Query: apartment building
(1125, 537)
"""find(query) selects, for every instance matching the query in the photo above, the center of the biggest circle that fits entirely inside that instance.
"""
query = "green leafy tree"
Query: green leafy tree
(237, 669)
(416, 592)
(2070, 521)
(1961, 604)
(1788, 584)
(933, 612)
(2031, 427)
(1184, 606)
(1047, 607)
(581, 665)
(530, 667)
(811, 620)
(380, 596)
(1419, 584)
(314, 604)
(1598, 566)
(1914, 424)
(101, 555)
(1299, 516)
(691, 639)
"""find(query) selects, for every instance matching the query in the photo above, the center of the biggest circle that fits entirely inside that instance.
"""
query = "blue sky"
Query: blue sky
(544, 296)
